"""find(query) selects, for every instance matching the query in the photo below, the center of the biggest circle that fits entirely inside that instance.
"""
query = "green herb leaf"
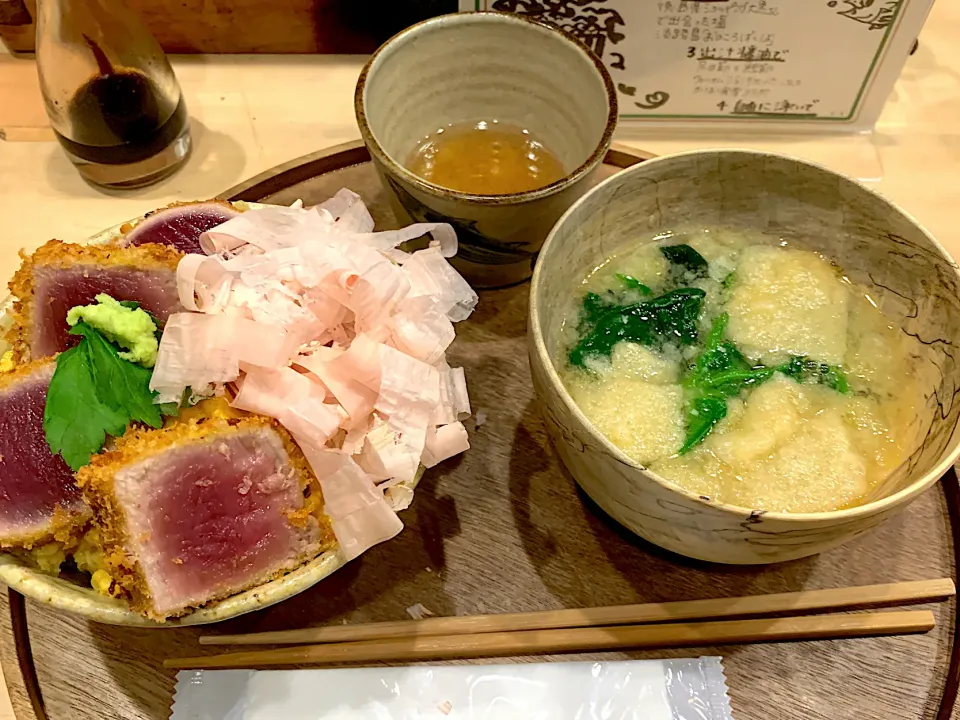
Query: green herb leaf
(634, 284)
(718, 359)
(703, 412)
(74, 420)
(595, 306)
(719, 372)
(731, 382)
(94, 393)
(120, 384)
(717, 329)
(130, 304)
(688, 264)
(803, 369)
(670, 317)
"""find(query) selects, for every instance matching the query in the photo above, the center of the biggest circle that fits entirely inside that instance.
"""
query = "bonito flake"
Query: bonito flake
(341, 336)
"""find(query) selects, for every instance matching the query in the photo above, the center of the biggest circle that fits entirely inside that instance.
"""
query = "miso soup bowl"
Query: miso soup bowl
(913, 279)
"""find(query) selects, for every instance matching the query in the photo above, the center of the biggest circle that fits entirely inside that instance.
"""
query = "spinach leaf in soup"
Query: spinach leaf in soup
(671, 317)
(633, 284)
(703, 412)
(805, 370)
(721, 371)
(686, 264)
(595, 306)
(721, 366)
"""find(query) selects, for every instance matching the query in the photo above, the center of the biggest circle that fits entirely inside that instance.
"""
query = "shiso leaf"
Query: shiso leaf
(94, 393)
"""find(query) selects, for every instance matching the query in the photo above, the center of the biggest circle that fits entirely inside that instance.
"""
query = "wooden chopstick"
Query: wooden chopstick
(527, 642)
(807, 601)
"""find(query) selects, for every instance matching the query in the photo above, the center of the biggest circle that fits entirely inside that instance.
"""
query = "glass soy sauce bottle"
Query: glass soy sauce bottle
(110, 93)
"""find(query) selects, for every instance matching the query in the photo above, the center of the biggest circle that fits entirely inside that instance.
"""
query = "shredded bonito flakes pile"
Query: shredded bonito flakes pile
(329, 328)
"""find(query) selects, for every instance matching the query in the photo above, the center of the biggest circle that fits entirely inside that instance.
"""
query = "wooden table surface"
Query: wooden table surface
(250, 113)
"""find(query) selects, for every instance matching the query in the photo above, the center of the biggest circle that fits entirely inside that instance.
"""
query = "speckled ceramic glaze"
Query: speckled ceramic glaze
(70, 596)
(876, 243)
(484, 66)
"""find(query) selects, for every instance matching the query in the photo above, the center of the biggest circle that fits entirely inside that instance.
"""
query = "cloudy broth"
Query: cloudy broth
(744, 369)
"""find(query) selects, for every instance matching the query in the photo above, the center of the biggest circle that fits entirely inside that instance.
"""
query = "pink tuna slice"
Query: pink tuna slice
(211, 519)
(180, 227)
(33, 481)
(56, 290)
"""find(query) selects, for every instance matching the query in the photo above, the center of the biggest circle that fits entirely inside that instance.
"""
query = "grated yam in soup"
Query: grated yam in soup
(744, 369)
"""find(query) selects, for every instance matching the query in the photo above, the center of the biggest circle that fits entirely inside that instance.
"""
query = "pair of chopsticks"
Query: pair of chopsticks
(651, 625)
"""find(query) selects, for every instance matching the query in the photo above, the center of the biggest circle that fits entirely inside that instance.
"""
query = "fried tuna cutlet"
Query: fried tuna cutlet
(39, 499)
(179, 225)
(60, 276)
(202, 510)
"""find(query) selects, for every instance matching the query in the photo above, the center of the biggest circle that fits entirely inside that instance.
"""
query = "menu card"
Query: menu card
(798, 64)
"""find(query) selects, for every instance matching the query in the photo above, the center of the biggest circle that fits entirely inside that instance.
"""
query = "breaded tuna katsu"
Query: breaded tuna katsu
(60, 276)
(179, 225)
(39, 499)
(274, 422)
(202, 510)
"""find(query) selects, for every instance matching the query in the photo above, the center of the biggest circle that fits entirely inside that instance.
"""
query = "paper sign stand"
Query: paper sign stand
(770, 66)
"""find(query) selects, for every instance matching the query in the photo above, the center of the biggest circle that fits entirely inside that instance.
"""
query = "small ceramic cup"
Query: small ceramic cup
(488, 66)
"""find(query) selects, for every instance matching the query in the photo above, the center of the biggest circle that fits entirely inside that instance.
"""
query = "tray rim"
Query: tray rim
(352, 153)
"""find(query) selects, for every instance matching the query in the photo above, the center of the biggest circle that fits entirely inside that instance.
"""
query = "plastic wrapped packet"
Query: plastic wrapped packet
(688, 689)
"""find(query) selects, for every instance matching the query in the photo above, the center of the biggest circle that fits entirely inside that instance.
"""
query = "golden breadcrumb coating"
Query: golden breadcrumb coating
(60, 254)
(65, 527)
(90, 557)
(55, 253)
(48, 557)
(96, 480)
(14, 375)
(214, 408)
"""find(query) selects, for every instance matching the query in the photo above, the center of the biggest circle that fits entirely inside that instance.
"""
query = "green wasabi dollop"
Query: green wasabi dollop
(123, 323)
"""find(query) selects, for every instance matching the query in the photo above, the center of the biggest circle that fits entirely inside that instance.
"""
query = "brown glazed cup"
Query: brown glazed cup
(468, 67)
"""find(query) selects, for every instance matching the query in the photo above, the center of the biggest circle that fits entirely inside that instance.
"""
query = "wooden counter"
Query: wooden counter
(251, 113)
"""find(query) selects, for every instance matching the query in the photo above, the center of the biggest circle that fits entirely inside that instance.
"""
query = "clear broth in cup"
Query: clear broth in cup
(485, 158)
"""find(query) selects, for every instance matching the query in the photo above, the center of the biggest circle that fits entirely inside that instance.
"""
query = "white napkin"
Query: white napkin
(692, 689)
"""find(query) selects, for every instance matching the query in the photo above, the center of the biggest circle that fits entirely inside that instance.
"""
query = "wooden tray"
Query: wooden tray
(503, 529)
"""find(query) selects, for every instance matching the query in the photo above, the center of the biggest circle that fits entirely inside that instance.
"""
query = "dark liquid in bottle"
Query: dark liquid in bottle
(119, 117)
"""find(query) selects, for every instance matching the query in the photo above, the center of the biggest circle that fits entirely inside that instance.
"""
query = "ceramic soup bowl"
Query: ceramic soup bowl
(469, 67)
(912, 278)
